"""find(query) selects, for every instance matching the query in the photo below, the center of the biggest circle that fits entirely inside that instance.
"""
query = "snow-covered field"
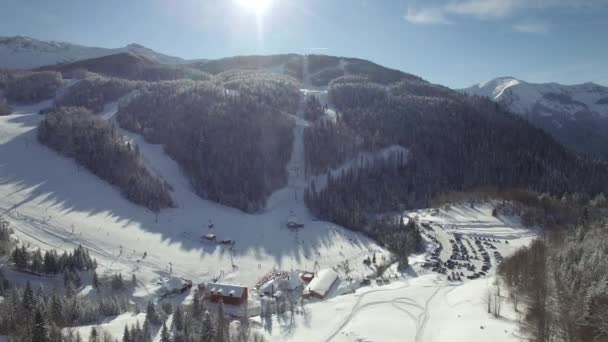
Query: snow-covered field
(420, 306)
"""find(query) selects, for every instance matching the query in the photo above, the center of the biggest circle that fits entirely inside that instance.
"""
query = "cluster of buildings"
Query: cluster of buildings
(314, 286)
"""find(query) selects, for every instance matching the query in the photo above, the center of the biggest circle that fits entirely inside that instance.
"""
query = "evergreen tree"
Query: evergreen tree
(55, 334)
(164, 334)
(126, 335)
(197, 307)
(151, 315)
(28, 301)
(178, 319)
(56, 311)
(93, 335)
(147, 332)
(222, 324)
(20, 257)
(208, 332)
(95, 281)
(39, 331)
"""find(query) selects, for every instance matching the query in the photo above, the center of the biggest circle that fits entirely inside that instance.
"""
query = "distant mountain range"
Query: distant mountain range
(21, 52)
(575, 115)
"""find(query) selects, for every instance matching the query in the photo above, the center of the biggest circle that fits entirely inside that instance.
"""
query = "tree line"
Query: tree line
(51, 262)
(94, 143)
(456, 143)
(29, 86)
(129, 66)
(560, 284)
(94, 91)
(230, 136)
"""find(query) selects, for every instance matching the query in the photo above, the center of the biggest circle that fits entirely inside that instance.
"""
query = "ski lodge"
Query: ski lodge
(229, 294)
(320, 285)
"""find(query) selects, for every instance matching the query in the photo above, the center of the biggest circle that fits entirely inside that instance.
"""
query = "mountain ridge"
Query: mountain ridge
(576, 115)
(22, 52)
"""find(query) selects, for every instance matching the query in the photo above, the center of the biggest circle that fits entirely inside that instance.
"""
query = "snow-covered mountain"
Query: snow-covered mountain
(21, 52)
(576, 115)
(545, 99)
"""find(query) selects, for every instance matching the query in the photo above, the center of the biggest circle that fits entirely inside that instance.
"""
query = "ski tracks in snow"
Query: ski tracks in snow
(398, 303)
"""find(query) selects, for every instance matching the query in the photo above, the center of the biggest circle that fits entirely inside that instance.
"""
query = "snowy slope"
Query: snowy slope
(24, 53)
(54, 203)
(420, 306)
(575, 115)
(526, 98)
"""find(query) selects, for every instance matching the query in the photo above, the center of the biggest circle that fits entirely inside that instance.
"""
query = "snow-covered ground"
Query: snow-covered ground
(524, 98)
(54, 204)
(420, 306)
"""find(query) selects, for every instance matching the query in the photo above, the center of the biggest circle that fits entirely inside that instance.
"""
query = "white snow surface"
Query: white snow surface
(524, 97)
(421, 306)
(322, 282)
(114, 326)
(25, 53)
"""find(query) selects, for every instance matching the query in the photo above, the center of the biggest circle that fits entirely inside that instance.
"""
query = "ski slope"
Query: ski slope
(55, 204)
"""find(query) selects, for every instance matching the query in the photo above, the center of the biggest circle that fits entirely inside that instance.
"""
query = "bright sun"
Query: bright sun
(259, 7)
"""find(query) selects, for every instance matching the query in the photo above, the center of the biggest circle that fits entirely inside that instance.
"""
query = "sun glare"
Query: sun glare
(259, 7)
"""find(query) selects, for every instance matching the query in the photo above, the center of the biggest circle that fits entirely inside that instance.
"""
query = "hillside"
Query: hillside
(321, 70)
(268, 167)
(576, 115)
(128, 65)
(455, 143)
(21, 52)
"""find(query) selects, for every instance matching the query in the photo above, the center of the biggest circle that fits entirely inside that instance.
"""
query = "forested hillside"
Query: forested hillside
(560, 284)
(289, 64)
(129, 66)
(29, 87)
(77, 133)
(456, 143)
(230, 136)
(94, 91)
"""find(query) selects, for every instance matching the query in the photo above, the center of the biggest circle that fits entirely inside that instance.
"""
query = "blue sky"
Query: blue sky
(452, 42)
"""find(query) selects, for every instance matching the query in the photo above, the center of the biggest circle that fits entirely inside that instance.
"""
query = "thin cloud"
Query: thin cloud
(426, 16)
(483, 8)
(535, 27)
(444, 10)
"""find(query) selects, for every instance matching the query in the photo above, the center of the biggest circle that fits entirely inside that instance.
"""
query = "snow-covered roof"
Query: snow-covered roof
(275, 285)
(171, 283)
(225, 290)
(322, 282)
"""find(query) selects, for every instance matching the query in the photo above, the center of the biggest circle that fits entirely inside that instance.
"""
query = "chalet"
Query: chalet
(322, 283)
(229, 294)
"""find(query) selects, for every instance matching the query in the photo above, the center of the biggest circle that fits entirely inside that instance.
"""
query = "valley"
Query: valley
(278, 198)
